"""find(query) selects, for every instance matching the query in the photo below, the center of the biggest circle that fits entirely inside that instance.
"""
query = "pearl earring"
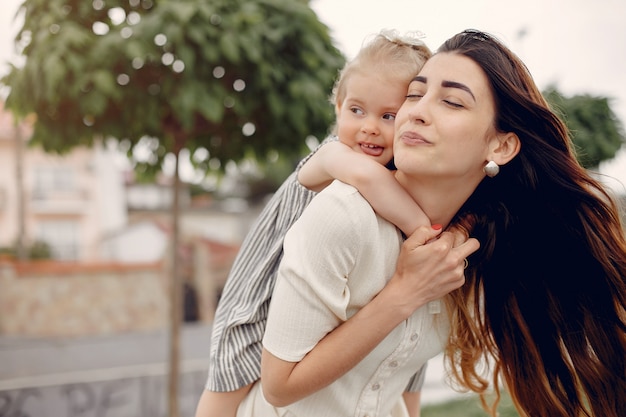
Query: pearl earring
(491, 169)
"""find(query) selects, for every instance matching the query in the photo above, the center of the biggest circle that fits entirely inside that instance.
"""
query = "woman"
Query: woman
(545, 295)
(552, 265)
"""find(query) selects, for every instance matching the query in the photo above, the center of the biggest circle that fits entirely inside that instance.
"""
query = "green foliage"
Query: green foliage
(38, 250)
(469, 407)
(596, 131)
(235, 77)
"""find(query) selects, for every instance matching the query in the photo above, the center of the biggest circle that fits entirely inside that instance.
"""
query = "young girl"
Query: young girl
(369, 91)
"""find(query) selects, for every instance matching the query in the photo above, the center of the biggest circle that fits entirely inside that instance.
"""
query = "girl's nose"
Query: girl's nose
(370, 127)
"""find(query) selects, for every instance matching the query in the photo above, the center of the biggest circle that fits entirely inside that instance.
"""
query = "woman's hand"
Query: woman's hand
(431, 264)
(425, 272)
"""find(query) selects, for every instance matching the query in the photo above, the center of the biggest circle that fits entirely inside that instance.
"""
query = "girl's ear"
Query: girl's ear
(337, 108)
(505, 147)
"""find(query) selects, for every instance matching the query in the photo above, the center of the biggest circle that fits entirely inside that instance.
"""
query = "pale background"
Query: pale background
(578, 45)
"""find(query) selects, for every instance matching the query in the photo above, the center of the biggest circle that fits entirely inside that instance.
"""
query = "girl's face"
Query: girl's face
(446, 124)
(365, 117)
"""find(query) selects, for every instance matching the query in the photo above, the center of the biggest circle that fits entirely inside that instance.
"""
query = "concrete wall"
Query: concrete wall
(65, 299)
(53, 299)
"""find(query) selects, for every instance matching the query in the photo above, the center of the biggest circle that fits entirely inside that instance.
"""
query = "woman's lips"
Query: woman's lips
(413, 138)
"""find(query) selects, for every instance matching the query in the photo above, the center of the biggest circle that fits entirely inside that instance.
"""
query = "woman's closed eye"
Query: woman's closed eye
(414, 96)
(454, 104)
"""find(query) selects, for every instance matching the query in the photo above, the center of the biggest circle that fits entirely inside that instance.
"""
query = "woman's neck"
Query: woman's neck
(439, 199)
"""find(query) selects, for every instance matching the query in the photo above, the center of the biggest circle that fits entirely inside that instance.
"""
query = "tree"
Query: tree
(223, 79)
(597, 133)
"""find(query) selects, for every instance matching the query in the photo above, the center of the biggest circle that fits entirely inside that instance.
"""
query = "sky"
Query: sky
(577, 45)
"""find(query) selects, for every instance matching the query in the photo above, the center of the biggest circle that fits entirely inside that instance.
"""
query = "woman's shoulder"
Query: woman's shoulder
(343, 193)
(340, 205)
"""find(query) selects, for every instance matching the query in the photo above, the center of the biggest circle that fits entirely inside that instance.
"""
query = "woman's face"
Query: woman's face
(445, 126)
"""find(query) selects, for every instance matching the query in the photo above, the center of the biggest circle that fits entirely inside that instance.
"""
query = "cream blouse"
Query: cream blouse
(337, 257)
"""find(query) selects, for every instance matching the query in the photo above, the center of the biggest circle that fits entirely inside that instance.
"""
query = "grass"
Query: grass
(469, 407)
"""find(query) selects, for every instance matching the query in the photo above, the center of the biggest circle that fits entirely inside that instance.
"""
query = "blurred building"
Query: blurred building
(109, 235)
(87, 207)
(62, 320)
(68, 201)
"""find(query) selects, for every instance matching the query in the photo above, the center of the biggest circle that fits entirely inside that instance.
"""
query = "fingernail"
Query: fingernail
(436, 226)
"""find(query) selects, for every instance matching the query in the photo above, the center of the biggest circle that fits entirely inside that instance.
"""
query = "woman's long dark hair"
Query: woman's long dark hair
(547, 289)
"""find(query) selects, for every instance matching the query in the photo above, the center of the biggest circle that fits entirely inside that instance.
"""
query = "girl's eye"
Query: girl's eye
(389, 116)
(356, 110)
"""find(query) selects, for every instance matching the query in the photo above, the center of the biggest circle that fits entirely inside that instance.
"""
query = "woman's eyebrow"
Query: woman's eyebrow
(454, 84)
(446, 84)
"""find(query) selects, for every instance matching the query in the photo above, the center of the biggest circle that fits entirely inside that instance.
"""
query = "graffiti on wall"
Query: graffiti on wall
(144, 396)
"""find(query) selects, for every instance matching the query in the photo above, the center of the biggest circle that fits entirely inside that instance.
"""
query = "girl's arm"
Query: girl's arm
(375, 182)
(425, 272)
(221, 404)
(412, 400)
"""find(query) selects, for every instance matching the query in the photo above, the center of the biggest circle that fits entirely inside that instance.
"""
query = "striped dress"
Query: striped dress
(241, 315)
(239, 324)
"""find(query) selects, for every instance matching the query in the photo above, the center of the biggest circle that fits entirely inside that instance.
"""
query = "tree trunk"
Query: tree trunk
(175, 299)
(20, 243)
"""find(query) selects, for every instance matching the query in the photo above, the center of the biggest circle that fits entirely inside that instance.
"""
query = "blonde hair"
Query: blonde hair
(400, 57)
